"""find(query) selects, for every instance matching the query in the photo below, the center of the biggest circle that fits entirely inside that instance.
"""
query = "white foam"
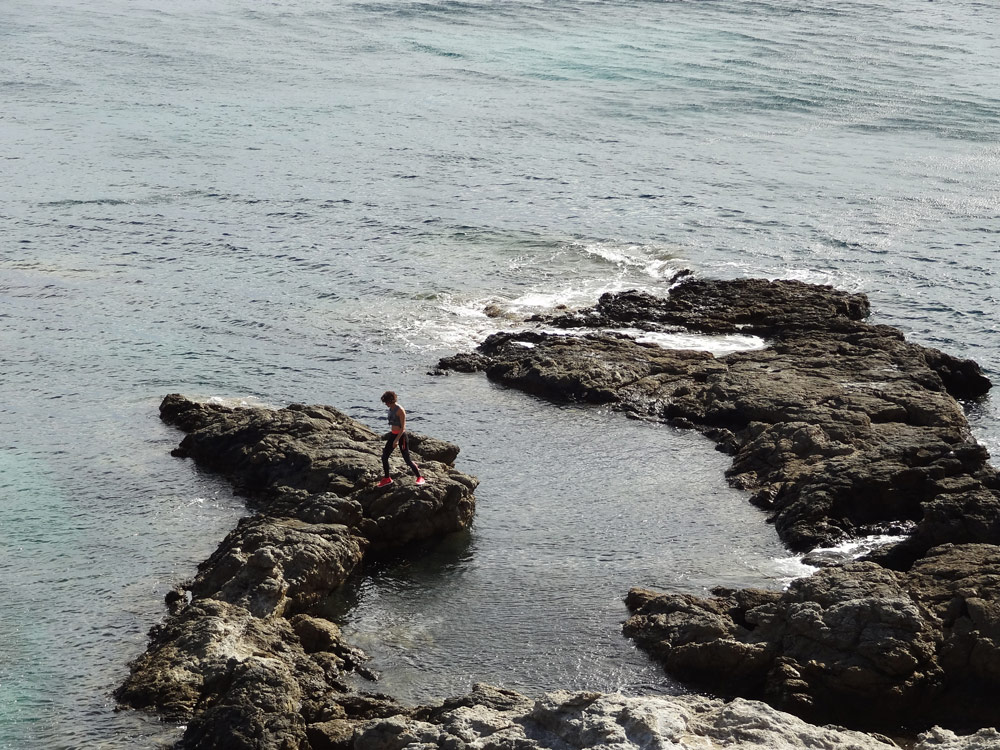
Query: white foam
(545, 300)
(630, 257)
(840, 280)
(689, 341)
(466, 324)
(463, 326)
(460, 335)
(569, 296)
(787, 569)
(556, 285)
(714, 344)
(465, 309)
(855, 548)
(237, 402)
(790, 568)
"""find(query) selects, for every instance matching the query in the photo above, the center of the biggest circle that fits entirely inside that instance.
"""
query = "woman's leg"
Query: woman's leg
(386, 452)
(404, 448)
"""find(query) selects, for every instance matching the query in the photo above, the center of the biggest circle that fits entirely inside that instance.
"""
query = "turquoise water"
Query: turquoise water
(305, 201)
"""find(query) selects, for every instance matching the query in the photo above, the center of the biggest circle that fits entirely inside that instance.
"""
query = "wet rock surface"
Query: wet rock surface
(860, 644)
(839, 429)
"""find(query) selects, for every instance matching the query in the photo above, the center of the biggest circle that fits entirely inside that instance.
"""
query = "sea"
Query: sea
(296, 201)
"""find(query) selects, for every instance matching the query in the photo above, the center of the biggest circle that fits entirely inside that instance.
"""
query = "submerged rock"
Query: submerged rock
(243, 656)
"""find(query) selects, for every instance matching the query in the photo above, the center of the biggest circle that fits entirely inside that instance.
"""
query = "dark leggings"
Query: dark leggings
(404, 448)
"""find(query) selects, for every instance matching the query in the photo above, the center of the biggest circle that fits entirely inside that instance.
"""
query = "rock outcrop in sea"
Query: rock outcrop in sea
(247, 660)
(245, 657)
(838, 429)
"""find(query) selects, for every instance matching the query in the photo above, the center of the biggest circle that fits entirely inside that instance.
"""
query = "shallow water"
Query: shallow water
(312, 203)
(532, 597)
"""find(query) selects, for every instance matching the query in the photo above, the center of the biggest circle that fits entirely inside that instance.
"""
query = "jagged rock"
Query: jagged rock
(278, 565)
(943, 739)
(433, 449)
(838, 429)
(574, 721)
(858, 644)
(465, 362)
(243, 655)
(336, 734)
(317, 465)
(737, 306)
(970, 514)
(191, 656)
(244, 681)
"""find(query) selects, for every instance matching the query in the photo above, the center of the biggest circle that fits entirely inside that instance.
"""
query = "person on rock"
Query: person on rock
(397, 436)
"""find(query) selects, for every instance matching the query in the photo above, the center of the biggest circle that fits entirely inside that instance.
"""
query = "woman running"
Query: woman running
(397, 436)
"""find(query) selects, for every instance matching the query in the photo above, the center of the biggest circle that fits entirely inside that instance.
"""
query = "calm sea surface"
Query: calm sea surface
(304, 201)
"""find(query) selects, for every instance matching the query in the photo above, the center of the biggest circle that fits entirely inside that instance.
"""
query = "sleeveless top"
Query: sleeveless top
(394, 420)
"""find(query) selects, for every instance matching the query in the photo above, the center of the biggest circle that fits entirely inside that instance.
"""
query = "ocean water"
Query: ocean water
(303, 201)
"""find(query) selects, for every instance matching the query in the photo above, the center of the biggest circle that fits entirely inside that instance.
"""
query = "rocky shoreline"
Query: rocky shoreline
(838, 428)
(245, 656)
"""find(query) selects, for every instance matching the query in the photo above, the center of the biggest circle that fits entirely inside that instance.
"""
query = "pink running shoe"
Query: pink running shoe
(421, 480)
(384, 482)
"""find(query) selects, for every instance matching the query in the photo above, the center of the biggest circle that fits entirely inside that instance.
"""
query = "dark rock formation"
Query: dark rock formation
(859, 644)
(838, 428)
(744, 306)
(243, 656)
